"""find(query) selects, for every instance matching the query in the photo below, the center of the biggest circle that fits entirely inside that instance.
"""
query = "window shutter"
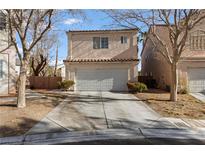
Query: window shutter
(121, 39)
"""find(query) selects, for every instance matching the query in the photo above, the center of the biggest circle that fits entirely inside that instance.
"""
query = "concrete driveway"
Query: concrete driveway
(89, 111)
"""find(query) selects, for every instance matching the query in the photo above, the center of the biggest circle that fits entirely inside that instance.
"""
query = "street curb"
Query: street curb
(171, 133)
(109, 134)
(72, 137)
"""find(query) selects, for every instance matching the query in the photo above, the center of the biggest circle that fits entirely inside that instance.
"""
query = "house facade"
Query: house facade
(191, 66)
(61, 71)
(7, 62)
(102, 60)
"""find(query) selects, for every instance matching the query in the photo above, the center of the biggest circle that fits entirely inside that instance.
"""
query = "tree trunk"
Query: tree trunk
(56, 63)
(174, 82)
(21, 99)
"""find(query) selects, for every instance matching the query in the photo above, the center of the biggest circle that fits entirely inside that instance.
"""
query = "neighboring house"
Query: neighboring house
(7, 62)
(61, 71)
(103, 60)
(191, 67)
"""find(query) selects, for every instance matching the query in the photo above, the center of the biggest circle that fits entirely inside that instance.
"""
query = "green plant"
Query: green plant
(136, 87)
(32, 87)
(183, 91)
(65, 84)
(167, 88)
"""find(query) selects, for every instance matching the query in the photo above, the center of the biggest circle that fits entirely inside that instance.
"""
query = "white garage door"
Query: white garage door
(196, 79)
(102, 80)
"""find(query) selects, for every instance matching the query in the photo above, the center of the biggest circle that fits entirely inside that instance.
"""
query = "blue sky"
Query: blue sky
(95, 19)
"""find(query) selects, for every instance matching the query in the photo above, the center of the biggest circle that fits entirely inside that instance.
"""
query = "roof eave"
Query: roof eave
(100, 31)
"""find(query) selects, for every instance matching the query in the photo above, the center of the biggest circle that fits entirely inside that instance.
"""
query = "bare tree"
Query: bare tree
(178, 22)
(41, 53)
(38, 64)
(56, 62)
(26, 28)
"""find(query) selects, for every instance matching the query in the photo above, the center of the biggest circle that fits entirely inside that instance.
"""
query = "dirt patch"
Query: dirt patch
(186, 106)
(15, 121)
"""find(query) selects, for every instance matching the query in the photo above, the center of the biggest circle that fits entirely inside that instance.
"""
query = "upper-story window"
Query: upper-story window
(96, 42)
(123, 39)
(1, 69)
(100, 42)
(104, 42)
(197, 40)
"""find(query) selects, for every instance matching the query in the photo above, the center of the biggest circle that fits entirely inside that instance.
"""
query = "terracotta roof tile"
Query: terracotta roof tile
(104, 30)
(100, 60)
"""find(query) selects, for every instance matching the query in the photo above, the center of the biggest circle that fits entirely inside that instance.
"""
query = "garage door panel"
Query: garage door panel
(102, 79)
(196, 79)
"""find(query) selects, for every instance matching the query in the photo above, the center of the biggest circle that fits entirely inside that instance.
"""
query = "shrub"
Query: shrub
(152, 83)
(66, 84)
(31, 87)
(168, 88)
(136, 87)
(183, 91)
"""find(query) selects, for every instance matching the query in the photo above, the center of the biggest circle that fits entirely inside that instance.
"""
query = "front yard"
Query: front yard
(15, 121)
(186, 106)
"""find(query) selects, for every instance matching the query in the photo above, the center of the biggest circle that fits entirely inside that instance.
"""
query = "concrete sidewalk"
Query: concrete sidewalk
(199, 96)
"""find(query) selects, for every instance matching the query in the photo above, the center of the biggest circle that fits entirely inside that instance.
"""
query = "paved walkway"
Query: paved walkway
(199, 96)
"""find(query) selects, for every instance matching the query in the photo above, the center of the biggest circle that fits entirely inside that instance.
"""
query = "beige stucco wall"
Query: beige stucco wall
(154, 64)
(81, 45)
(8, 83)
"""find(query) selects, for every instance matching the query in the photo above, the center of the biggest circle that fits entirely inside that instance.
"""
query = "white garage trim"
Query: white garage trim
(4, 79)
(104, 79)
(196, 77)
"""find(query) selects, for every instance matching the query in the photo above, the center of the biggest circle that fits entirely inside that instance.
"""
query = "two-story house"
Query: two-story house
(7, 61)
(191, 67)
(102, 60)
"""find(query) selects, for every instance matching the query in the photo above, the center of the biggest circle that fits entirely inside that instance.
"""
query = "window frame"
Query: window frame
(95, 43)
(102, 44)
(105, 44)
(123, 39)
